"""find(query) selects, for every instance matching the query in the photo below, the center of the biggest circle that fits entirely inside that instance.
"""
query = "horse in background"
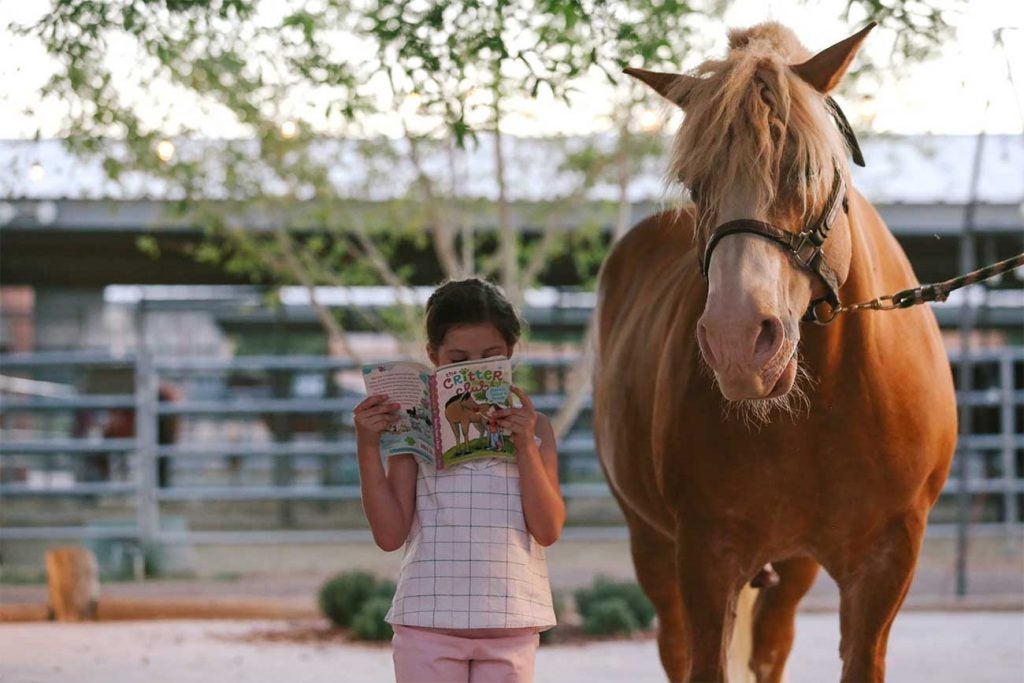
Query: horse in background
(461, 411)
(730, 434)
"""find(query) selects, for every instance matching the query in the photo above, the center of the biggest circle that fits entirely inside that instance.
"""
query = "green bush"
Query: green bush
(368, 623)
(558, 603)
(385, 589)
(630, 593)
(343, 596)
(609, 615)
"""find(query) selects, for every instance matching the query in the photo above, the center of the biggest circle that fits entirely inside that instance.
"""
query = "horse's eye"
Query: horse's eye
(695, 194)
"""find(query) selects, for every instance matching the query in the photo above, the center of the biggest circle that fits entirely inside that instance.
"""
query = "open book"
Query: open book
(446, 415)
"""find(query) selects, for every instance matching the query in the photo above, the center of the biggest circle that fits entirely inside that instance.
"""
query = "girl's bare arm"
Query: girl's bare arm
(543, 507)
(389, 498)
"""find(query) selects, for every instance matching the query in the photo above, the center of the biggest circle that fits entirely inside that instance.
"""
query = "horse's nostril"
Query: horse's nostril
(769, 340)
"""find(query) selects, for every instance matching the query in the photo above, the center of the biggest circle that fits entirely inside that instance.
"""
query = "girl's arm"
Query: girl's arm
(543, 507)
(389, 498)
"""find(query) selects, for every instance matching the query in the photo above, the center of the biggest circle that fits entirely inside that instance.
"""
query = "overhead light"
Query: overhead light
(289, 130)
(165, 150)
(36, 173)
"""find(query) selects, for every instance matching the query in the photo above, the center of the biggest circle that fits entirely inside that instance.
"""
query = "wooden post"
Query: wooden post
(73, 578)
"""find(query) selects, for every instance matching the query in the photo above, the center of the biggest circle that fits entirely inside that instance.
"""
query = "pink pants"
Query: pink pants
(426, 657)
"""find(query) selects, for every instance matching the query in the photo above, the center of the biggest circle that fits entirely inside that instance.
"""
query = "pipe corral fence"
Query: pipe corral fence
(290, 438)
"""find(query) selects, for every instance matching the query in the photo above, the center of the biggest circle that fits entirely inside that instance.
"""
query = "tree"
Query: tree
(307, 84)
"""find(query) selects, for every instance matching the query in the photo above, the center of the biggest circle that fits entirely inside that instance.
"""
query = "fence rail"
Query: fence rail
(995, 456)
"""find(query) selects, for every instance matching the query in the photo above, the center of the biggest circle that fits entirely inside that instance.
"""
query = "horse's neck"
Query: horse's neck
(877, 267)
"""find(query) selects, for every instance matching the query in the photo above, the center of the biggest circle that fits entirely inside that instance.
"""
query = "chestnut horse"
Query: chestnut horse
(724, 446)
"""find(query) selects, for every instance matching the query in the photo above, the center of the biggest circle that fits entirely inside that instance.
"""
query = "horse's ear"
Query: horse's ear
(673, 87)
(824, 70)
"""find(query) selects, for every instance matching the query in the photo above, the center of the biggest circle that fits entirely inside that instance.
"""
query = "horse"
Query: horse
(730, 434)
(461, 411)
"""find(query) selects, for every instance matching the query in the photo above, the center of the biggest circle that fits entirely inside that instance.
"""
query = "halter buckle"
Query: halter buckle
(802, 242)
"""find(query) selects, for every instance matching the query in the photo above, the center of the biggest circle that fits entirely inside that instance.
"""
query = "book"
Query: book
(446, 415)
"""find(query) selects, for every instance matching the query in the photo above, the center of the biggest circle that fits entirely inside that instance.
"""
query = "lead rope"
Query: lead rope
(938, 291)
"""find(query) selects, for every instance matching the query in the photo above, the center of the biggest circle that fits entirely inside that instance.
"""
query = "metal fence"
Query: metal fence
(37, 388)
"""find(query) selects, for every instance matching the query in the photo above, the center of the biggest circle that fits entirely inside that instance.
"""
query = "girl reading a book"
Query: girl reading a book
(473, 591)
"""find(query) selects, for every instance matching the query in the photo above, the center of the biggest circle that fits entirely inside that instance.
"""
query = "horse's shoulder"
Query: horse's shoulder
(655, 239)
(672, 227)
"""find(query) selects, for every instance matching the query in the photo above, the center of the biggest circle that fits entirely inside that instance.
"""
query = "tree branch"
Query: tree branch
(337, 338)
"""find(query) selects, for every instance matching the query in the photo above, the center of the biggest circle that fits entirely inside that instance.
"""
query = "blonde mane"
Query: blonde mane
(750, 116)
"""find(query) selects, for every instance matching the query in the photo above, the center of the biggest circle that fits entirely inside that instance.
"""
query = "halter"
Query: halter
(806, 247)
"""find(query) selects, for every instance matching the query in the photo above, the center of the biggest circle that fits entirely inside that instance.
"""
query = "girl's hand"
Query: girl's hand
(373, 415)
(522, 421)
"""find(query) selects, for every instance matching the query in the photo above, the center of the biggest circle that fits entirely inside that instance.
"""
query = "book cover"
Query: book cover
(407, 384)
(447, 415)
(467, 395)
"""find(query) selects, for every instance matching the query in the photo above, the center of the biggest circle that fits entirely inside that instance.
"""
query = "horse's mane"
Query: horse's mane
(457, 397)
(750, 116)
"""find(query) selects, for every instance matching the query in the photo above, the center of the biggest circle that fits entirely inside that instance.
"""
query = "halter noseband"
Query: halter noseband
(806, 248)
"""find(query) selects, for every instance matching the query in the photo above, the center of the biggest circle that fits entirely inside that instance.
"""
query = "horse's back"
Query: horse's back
(644, 280)
(652, 246)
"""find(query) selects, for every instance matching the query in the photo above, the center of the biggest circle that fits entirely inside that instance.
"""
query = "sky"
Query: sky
(964, 89)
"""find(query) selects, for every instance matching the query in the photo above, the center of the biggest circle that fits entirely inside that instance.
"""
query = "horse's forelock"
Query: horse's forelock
(750, 116)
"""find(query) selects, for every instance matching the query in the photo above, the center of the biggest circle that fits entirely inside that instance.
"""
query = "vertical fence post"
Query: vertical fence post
(1010, 507)
(146, 445)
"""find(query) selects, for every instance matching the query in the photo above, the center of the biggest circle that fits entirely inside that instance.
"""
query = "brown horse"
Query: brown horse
(461, 411)
(727, 449)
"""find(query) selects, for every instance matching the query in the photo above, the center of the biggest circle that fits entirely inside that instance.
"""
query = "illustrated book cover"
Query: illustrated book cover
(446, 415)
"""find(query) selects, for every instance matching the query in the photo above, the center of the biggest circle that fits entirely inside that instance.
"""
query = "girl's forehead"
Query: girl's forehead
(475, 334)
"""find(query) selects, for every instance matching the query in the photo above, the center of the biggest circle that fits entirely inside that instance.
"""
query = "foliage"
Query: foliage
(369, 624)
(310, 87)
(605, 589)
(558, 604)
(343, 597)
(608, 616)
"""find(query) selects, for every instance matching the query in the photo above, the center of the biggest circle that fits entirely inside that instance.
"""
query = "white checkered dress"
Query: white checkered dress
(469, 561)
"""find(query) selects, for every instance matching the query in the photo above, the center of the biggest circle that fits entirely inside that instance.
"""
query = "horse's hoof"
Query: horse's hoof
(766, 578)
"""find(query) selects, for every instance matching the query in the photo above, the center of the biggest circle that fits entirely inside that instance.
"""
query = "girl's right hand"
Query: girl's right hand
(373, 415)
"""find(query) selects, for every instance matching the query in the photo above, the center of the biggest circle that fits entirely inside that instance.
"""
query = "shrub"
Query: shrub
(628, 592)
(342, 596)
(558, 603)
(368, 623)
(609, 615)
(385, 589)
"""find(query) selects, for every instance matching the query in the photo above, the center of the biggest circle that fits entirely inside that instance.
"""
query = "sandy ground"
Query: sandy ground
(932, 647)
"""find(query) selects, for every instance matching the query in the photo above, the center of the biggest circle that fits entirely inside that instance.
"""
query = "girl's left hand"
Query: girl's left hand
(522, 421)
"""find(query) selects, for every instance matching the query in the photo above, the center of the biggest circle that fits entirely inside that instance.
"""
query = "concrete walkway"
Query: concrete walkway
(932, 647)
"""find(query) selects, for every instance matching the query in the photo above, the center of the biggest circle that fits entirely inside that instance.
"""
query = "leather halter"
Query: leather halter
(806, 248)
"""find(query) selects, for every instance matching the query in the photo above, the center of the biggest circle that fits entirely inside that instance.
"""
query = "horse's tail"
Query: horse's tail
(741, 646)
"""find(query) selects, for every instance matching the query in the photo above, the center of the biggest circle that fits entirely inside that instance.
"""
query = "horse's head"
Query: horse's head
(760, 153)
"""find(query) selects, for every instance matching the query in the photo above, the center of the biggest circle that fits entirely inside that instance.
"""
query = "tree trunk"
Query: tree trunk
(73, 578)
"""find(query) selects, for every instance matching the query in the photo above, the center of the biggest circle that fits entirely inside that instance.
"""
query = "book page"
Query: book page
(468, 395)
(409, 385)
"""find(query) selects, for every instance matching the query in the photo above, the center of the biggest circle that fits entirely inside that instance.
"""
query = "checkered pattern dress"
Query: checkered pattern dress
(469, 561)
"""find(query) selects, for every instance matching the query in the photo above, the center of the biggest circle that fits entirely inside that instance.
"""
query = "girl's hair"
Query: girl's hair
(468, 302)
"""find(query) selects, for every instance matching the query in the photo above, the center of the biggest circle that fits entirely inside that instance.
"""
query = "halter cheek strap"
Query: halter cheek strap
(806, 248)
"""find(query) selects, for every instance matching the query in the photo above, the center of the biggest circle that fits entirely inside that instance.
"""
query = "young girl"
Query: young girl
(473, 592)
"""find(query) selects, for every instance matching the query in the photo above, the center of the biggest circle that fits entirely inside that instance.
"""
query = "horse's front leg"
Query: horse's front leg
(872, 586)
(775, 617)
(709, 581)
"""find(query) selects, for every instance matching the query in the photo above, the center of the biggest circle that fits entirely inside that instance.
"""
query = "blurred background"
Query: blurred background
(211, 213)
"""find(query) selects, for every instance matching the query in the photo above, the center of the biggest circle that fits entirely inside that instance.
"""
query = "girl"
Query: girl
(473, 592)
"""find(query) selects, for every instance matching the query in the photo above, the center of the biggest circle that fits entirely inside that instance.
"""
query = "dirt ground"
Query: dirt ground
(925, 647)
(295, 572)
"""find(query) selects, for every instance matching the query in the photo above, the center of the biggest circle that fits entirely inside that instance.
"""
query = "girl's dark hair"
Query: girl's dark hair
(468, 302)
